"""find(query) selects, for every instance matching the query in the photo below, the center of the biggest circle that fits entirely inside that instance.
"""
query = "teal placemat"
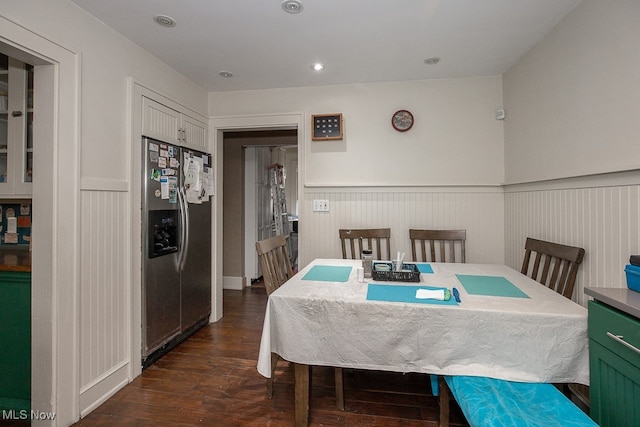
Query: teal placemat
(328, 273)
(424, 268)
(402, 293)
(490, 285)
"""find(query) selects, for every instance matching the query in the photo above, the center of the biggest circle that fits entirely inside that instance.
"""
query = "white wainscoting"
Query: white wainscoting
(104, 292)
(599, 215)
(479, 210)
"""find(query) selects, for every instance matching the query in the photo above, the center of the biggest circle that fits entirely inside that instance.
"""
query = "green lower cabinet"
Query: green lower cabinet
(615, 367)
(15, 342)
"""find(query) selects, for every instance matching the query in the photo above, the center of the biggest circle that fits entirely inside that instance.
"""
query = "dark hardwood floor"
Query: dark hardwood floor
(211, 380)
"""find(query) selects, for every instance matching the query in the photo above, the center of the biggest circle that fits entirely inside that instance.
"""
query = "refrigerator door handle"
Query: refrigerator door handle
(184, 217)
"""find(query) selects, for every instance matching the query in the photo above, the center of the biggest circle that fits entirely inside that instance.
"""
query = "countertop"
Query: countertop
(623, 299)
(15, 260)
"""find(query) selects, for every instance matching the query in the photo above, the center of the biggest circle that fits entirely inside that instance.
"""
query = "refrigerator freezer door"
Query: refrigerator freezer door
(161, 234)
(161, 302)
(161, 175)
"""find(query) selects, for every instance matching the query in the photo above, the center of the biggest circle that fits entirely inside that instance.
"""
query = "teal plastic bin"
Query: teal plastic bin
(633, 277)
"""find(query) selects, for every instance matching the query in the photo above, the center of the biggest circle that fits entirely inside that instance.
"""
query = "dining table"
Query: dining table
(502, 324)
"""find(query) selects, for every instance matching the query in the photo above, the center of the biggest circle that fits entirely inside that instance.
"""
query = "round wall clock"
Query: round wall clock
(402, 120)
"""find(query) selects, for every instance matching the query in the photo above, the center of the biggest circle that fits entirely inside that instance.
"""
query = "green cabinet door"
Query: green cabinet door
(614, 367)
(15, 341)
(615, 389)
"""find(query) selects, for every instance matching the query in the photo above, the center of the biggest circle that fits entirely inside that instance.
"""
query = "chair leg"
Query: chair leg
(579, 394)
(270, 388)
(444, 396)
(339, 389)
(274, 360)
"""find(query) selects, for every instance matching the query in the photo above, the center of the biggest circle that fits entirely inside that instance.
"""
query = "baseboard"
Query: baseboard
(96, 393)
(232, 282)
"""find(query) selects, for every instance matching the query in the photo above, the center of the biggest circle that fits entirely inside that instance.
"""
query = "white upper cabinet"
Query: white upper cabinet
(194, 133)
(170, 125)
(16, 125)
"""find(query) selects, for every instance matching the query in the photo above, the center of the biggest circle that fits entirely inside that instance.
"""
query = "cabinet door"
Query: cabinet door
(23, 153)
(160, 122)
(15, 341)
(16, 117)
(615, 388)
(194, 133)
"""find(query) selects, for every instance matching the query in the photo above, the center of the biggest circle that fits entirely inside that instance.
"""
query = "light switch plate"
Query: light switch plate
(320, 205)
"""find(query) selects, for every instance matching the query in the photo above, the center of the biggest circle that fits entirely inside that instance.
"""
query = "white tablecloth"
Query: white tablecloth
(542, 338)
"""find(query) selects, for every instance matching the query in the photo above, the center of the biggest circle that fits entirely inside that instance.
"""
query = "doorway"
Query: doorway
(54, 203)
(247, 207)
(218, 127)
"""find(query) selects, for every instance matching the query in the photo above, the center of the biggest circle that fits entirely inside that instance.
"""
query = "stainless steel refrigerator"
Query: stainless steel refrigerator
(176, 246)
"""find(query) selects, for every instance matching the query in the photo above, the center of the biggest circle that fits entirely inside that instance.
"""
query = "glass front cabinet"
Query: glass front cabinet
(16, 125)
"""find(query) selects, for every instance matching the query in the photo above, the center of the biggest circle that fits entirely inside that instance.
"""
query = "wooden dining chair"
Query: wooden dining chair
(274, 261)
(276, 269)
(561, 261)
(353, 241)
(434, 245)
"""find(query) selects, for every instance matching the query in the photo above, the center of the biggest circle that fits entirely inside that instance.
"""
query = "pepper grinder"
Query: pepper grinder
(367, 260)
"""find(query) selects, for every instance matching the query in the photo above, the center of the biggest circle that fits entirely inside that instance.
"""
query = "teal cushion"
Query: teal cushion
(491, 402)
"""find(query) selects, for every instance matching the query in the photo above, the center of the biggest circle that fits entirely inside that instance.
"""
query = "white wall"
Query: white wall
(573, 102)
(455, 139)
(445, 172)
(573, 105)
(89, 356)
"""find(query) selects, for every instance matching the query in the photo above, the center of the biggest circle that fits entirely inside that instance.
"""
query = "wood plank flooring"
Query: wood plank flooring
(211, 380)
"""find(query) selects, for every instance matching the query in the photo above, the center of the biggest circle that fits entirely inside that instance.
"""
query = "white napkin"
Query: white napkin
(430, 294)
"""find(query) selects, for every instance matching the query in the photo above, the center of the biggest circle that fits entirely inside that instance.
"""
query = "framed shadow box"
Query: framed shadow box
(326, 127)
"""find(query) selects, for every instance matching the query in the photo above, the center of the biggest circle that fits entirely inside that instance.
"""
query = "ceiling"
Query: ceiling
(357, 40)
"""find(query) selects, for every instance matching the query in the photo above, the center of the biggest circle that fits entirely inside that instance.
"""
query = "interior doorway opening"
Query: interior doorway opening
(247, 206)
(54, 349)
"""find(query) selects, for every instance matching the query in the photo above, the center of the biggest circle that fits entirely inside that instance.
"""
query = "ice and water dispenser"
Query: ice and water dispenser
(163, 232)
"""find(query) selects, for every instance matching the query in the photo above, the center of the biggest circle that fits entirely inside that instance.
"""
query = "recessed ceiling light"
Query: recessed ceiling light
(317, 66)
(292, 6)
(164, 20)
(432, 61)
(226, 74)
